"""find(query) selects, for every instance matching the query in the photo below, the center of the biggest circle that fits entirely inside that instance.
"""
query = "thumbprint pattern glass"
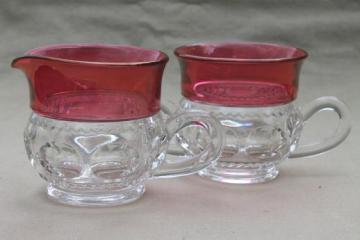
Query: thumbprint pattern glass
(251, 89)
(96, 133)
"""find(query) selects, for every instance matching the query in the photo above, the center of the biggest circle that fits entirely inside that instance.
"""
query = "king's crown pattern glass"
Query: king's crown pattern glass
(96, 133)
(251, 89)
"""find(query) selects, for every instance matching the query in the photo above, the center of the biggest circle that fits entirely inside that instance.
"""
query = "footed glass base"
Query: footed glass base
(241, 176)
(109, 198)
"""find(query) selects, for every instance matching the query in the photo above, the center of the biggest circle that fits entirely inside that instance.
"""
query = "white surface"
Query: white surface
(313, 198)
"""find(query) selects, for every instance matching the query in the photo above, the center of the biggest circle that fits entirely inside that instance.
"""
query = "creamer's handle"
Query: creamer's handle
(206, 146)
(339, 135)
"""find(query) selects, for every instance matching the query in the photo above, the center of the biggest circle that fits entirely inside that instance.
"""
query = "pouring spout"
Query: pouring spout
(29, 64)
(22, 63)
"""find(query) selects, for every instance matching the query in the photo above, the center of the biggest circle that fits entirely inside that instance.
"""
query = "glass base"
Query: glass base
(241, 176)
(95, 198)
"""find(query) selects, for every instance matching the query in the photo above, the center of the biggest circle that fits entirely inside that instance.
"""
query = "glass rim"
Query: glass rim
(90, 121)
(34, 53)
(303, 54)
(245, 106)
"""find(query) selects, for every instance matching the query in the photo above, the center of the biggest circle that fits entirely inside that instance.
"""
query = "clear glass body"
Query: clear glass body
(93, 158)
(258, 139)
(107, 163)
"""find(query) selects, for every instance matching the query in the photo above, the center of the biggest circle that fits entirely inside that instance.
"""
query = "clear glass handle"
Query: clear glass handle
(340, 134)
(196, 157)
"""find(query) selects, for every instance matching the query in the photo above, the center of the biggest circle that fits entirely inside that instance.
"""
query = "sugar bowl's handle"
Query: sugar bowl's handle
(208, 149)
(340, 134)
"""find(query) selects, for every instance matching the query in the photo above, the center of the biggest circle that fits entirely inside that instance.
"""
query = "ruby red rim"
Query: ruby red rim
(160, 57)
(185, 52)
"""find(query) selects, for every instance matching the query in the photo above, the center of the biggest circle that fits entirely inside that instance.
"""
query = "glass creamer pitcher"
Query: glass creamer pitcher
(96, 133)
(251, 89)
